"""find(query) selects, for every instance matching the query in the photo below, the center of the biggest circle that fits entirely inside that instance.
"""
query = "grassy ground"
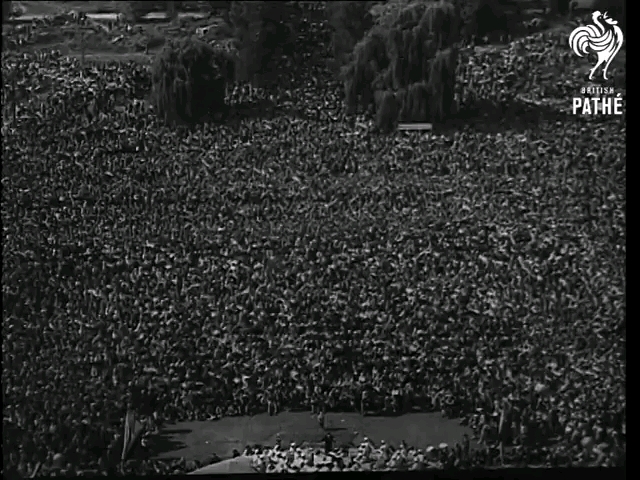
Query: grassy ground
(198, 440)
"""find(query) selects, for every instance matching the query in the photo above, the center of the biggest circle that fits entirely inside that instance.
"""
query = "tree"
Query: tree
(349, 22)
(264, 32)
(387, 109)
(222, 8)
(6, 10)
(404, 68)
(559, 7)
(482, 18)
(188, 81)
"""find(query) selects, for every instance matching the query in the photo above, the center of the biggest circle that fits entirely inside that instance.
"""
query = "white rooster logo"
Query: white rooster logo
(604, 40)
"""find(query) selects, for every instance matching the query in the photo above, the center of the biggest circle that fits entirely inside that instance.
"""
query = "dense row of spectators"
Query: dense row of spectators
(301, 261)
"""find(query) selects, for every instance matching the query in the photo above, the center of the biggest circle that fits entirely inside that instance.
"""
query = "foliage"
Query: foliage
(482, 18)
(221, 8)
(218, 5)
(349, 22)
(387, 14)
(264, 32)
(415, 105)
(441, 84)
(6, 10)
(189, 79)
(387, 110)
(410, 53)
(559, 7)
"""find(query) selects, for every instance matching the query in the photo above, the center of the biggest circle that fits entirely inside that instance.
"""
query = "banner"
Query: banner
(132, 431)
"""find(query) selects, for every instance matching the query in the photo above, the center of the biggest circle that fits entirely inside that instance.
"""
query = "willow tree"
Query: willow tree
(410, 55)
(188, 81)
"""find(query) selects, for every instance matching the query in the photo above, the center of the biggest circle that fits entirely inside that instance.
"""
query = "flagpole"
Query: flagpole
(36, 470)
(129, 424)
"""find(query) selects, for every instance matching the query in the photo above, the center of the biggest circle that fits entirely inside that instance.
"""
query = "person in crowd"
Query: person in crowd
(321, 419)
(328, 443)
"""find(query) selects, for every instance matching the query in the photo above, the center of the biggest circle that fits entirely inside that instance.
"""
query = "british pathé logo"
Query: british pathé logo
(604, 38)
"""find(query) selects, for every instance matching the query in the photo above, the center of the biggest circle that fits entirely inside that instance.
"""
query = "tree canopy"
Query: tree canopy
(349, 22)
(189, 79)
(404, 68)
(6, 10)
(264, 31)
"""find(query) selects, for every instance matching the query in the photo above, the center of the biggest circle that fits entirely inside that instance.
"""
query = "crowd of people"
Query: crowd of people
(384, 457)
(302, 261)
(366, 457)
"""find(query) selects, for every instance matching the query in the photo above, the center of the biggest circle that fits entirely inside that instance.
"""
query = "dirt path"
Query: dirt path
(199, 440)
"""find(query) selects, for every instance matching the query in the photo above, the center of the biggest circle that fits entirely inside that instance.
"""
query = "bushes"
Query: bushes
(189, 79)
(404, 68)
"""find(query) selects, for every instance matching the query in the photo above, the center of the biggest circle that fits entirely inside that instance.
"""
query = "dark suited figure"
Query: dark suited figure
(328, 443)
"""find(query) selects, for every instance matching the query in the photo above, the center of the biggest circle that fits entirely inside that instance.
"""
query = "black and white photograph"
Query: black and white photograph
(296, 237)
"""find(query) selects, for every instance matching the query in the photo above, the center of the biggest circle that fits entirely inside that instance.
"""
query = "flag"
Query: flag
(36, 470)
(132, 431)
(129, 425)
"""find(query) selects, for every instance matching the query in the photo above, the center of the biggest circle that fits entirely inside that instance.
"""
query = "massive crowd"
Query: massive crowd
(366, 457)
(384, 457)
(301, 260)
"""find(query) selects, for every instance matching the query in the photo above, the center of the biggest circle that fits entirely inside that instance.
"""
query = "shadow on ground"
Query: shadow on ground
(167, 442)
